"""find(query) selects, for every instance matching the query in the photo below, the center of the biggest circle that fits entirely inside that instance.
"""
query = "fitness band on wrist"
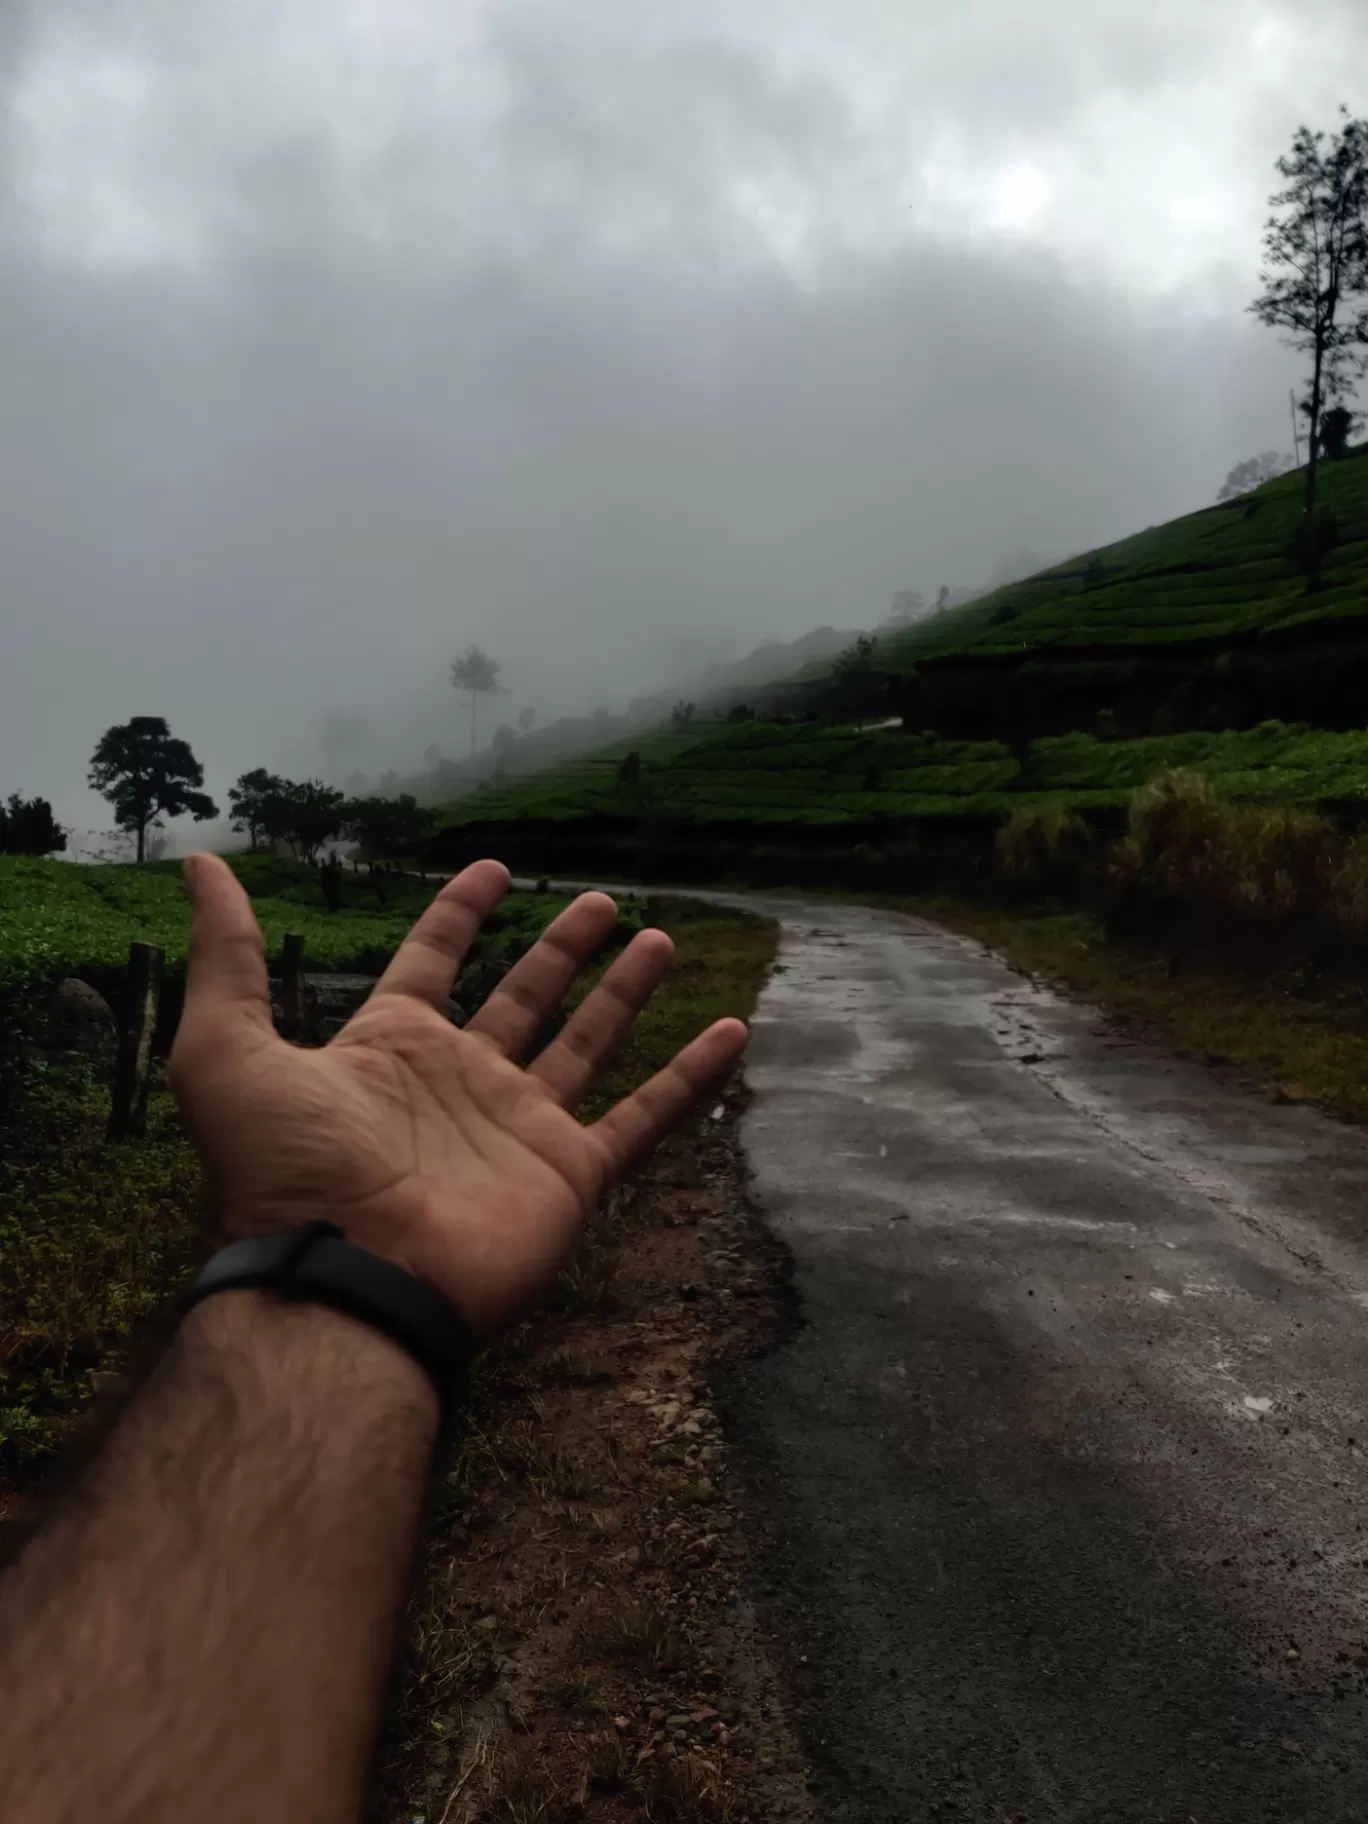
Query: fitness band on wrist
(316, 1263)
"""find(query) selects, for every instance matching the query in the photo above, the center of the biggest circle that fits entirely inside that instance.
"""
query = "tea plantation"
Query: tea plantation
(58, 918)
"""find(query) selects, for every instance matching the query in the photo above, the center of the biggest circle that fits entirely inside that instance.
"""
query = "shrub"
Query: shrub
(1169, 861)
(1278, 863)
(1193, 859)
(1336, 427)
(1045, 851)
(1311, 543)
(1348, 896)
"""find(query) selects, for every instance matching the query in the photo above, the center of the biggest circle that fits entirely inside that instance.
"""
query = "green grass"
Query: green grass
(806, 773)
(94, 1237)
(59, 918)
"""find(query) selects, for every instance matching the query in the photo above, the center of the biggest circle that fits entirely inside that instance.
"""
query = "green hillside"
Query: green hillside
(1208, 576)
(1193, 644)
(571, 739)
(804, 773)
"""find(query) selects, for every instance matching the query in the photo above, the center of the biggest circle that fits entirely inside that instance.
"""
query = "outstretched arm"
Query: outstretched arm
(203, 1630)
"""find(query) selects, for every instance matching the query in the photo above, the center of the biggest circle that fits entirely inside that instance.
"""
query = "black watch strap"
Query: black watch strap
(317, 1263)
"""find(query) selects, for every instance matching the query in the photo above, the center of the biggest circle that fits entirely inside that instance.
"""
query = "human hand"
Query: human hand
(428, 1144)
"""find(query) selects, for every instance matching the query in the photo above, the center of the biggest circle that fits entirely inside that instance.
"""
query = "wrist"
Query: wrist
(276, 1351)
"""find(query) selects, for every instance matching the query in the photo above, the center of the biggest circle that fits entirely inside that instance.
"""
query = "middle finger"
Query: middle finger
(592, 1034)
(518, 1008)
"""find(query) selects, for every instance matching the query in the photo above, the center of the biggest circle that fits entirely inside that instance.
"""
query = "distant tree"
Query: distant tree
(28, 827)
(303, 813)
(1253, 473)
(629, 770)
(477, 673)
(943, 598)
(601, 714)
(682, 715)
(855, 682)
(432, 754)
(742, 712)
(389, 780)
(330, 880)
(388, 827)
(248, 799)
(527, 719)
(345, 735)
(146, 772)
(907, 605)
(1337, 426)
(1315, 274)
(505, 739)
(857, 661)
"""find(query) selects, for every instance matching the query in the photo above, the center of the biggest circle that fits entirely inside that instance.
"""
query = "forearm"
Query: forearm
(205, 1628)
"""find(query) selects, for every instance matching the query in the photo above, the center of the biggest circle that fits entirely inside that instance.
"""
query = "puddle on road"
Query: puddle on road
(1260, 1155)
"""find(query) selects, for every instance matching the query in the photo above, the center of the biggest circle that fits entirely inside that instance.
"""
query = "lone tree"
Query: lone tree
(1315, 275)
(28, 827)
(1337, 426)
(388, 827)
(907, 605)
(476, 672)
(1253, 473)
(304, 813)
(249, 802)
(146, 772)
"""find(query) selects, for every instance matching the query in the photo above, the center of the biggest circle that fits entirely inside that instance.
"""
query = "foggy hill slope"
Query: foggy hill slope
(1195, 643)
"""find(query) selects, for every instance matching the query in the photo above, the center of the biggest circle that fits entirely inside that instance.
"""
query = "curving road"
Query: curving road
(1060, 1489)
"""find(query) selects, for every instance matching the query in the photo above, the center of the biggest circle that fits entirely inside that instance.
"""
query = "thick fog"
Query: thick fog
(339, 334)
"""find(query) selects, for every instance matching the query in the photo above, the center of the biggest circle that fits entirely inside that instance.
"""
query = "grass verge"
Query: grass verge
(1305, 1035)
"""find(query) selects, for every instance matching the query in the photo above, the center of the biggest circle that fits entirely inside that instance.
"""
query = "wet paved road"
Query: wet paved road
(1060, 1489)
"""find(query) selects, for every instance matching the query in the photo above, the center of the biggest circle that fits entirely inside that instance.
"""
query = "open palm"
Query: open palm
(427, 1144)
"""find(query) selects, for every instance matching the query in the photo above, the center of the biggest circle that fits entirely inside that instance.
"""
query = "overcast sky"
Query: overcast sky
(614, 336)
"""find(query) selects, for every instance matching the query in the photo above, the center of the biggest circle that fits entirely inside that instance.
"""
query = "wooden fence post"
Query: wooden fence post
(292, 986)
(128, 1113)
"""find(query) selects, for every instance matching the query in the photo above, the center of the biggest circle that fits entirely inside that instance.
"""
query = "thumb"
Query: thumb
(225, 970)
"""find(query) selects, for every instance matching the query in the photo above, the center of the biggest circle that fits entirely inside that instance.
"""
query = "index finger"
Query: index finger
(425, 964)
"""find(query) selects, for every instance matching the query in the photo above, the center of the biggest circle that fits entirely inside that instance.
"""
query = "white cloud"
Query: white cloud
(339, 334)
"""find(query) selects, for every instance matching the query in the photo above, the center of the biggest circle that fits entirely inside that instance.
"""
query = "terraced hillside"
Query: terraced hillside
(1194, 644)
(767, 774)
(1211, 577)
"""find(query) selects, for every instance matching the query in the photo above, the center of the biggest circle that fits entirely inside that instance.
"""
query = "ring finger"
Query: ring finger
(592, 1034)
